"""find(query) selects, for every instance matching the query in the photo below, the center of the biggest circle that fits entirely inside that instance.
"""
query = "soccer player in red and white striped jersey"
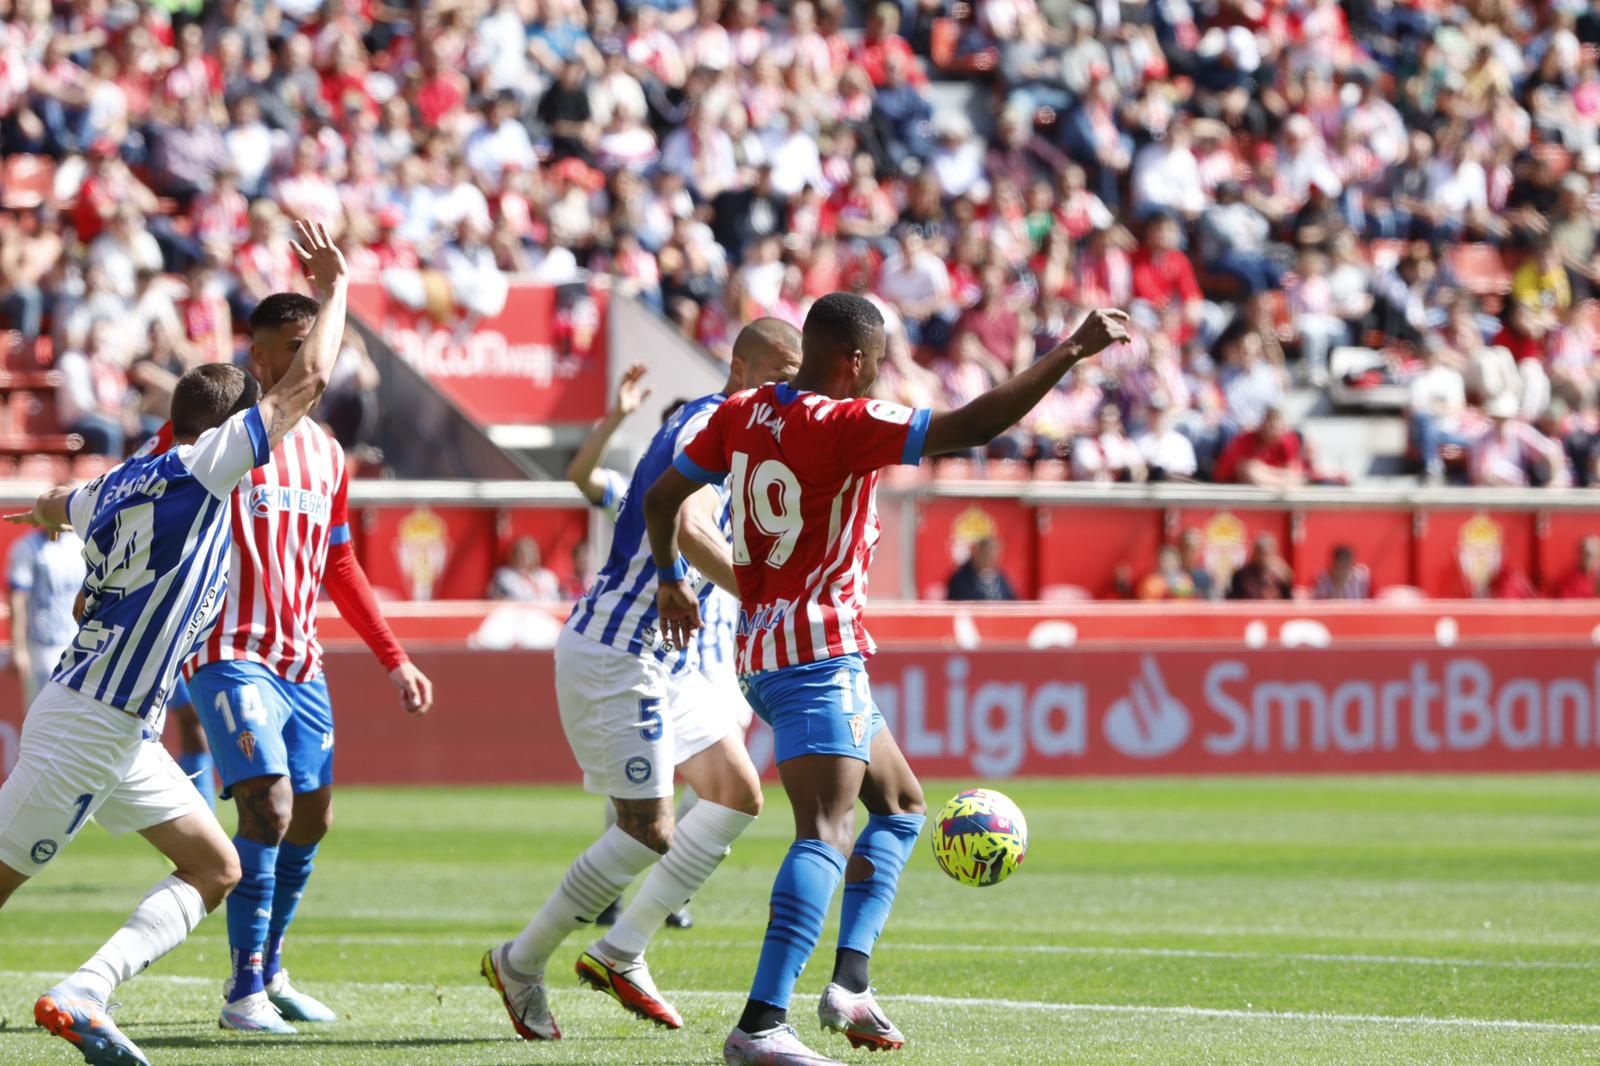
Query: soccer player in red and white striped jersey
(258, 686)
(802, 462)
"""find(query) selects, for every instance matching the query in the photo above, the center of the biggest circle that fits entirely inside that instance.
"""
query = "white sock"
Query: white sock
(686, 801)
(611, 814)
(591, 882)
(699, 845)
(161, 921)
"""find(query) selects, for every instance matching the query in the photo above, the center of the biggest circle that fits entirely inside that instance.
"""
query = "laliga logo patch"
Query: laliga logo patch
(247, 744)
(638, 769)
(858, 726)
(43, 851)
(260, 501)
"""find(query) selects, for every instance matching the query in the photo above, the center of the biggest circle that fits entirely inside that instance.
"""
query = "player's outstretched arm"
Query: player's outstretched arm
(49, 511)
(582, 470)
(676, 603)
(975, 424)
(292, 398)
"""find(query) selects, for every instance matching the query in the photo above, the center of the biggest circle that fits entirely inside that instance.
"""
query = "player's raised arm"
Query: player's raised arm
(676, 603)
(583, 470)
(975, 424)
(292, 398)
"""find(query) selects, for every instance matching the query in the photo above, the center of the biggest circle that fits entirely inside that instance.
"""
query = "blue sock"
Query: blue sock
(886, 842)
(800, 898)
(249, 912)
(294, 870)
(197, 764)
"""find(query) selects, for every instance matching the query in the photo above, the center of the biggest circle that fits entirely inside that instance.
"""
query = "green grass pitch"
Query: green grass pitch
(1338, 921)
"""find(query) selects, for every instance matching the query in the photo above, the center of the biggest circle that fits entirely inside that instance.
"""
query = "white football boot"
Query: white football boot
(858, 1016)
(525, 1001)
(294, 1004)
(253, 1014)
(778, 1046)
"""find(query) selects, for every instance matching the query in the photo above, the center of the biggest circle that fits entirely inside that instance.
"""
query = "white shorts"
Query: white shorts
(78, 759)
(630, 722)
(725, 680)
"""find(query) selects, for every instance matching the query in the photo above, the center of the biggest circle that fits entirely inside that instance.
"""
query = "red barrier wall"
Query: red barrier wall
(999, 714)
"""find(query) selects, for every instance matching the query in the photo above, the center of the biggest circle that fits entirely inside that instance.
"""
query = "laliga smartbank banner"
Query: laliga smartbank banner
(1003, 713)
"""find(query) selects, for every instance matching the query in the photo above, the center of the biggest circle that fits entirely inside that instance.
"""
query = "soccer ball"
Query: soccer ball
(980, 837)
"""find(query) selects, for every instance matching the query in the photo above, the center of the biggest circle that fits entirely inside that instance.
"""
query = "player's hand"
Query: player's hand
(630, 392)
(1103, 328)
(679, 611)
(318, 254)
(416, 691)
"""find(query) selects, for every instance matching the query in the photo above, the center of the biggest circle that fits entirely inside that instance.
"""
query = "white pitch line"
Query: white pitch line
(1090, 950)
(1143, 1009)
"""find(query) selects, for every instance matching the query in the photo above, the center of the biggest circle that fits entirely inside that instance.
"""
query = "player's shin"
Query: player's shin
(161, 921)
(699, 844)
(871, 881)
(593, 881)
(250, 914)
(292, 872)
(800, 897)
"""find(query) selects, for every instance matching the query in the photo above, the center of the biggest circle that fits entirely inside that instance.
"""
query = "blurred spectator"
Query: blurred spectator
(1191, 551)
(1233, 240)
(1265, 575)
(1511, 453)
(1438, 398)
(1582, 582)
(1169, 580)
(1251, 384)
(980, 577)
(1344, 579)
(523, 578)
(94, 388)
(1108, 454)
(30, 250)
(1269, 456)
(1167, 453)
(1541, 283)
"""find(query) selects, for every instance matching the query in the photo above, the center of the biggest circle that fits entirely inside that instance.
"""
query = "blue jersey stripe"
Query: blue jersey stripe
(620, 608)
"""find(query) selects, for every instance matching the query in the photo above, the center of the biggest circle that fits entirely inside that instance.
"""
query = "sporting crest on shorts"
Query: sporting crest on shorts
(43, 851)
(858, 726)
(638, 769)
(247, 744)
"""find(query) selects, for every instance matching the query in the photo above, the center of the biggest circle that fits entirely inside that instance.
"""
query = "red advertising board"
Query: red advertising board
(449, 553)
(997, 714)
(534, 362)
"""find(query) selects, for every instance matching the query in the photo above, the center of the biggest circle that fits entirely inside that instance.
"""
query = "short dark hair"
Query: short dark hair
(208, 396)
(282, 308)
(843, 321)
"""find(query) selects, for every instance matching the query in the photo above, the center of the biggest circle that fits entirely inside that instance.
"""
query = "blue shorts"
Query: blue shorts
(260, 725)
(820, 708)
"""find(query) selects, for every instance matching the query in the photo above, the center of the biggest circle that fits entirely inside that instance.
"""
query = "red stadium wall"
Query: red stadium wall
(993, 692)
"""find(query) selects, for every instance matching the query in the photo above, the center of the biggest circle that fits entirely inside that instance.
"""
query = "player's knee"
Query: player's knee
(651, 825)
(225, 879)
(265, 810)
(838, 832)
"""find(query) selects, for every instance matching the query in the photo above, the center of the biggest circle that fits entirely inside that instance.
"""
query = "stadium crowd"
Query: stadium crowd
(1262, 181)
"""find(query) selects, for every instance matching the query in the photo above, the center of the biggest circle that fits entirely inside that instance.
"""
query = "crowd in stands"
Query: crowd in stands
(1263, 182)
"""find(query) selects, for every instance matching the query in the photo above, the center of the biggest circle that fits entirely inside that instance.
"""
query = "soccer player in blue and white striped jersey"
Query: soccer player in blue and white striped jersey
(156, 540)
(638, 713)
(605, 490)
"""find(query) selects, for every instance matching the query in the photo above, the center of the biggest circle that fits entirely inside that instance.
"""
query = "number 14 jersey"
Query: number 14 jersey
(802, 474)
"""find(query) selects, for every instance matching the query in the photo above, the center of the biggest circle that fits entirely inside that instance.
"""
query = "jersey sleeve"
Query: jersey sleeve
(224, 455)
(339, 519)
(703, 454)
(19, 564)
(871, 434)
(82, 503)
(616, 486)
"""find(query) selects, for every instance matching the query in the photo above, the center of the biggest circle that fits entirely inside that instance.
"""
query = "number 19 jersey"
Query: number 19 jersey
(802, 474)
